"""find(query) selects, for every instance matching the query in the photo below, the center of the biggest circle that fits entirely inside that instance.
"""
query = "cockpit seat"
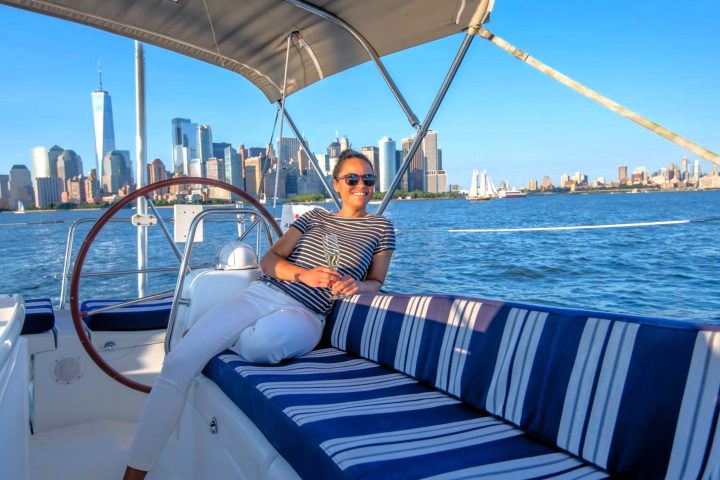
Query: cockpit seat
(39, 316)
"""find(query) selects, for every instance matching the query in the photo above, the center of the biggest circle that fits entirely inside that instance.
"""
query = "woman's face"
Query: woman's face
(359, 195)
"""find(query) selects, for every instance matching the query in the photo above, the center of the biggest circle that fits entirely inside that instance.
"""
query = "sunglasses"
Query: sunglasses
(352, 179)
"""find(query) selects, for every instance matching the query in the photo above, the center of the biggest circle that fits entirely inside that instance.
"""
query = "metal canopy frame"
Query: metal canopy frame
(473, 29)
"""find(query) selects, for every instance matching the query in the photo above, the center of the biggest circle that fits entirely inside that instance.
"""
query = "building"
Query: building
(21, 186)
(287, 149)
(710, 181)
(216, 168)
(234, 166)
(344, 144)
(116, 171)
(696, 169)
(333, 150)
(622, 174)
(303, 162)
(373, 154)
(75, 190)
(532, 185)
(546, 183)
(92, 187)
(53, 154)
(184, 147)
(40, 161)
(253, 175)
(386, 163)
(205, 147)
(5, 191)
(435, 180)
(157, 172)
(104, 127)
(48, 191)
(218, 149)
(268, 184)
(416, 169)
(685, 173)
(69, 165)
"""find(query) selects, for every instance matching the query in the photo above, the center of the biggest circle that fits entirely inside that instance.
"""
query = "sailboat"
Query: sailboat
(20, 207)
(481, 187)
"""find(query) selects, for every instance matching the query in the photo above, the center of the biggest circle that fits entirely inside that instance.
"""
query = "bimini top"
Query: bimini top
(250, 36)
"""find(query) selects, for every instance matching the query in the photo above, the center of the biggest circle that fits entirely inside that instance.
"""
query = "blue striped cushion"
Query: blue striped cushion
(333, 415)
(637, 396)
(39, 316)
(151, 315)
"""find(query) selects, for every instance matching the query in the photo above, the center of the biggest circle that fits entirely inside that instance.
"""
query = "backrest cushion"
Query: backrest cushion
(636, 396)
(39, 316)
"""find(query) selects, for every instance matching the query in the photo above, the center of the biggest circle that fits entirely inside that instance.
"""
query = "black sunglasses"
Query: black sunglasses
(352, 179)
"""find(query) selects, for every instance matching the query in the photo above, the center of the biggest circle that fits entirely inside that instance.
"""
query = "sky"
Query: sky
(660, 58)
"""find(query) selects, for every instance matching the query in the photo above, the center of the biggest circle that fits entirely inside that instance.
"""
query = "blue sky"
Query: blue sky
(657, 57)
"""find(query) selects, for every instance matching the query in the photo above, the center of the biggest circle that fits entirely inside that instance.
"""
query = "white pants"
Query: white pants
(262, 324)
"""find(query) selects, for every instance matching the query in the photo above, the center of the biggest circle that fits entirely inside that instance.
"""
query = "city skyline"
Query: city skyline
(528, 128)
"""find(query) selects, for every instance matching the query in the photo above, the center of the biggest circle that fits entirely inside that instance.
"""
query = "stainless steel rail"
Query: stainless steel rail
(412, 118)
(177, 298)
(154, 296)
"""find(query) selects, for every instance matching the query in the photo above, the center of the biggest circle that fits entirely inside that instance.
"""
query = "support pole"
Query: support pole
(141, 162)
(602, 100)
(313, 160)
(282, 109)
(462, 51)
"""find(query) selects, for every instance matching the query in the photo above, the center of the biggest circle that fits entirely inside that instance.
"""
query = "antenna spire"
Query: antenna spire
(100, 73)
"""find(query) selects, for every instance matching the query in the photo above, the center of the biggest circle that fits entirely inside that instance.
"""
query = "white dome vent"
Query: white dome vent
(236, 255)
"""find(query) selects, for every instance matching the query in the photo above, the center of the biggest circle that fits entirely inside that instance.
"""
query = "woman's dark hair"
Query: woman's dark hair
(346, 155)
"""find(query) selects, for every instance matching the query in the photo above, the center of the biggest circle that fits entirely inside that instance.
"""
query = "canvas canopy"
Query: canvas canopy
(250, 36)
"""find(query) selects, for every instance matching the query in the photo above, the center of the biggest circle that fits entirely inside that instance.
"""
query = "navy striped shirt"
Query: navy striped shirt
(359, 239)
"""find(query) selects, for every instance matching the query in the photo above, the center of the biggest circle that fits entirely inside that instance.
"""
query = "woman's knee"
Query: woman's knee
(280, 335)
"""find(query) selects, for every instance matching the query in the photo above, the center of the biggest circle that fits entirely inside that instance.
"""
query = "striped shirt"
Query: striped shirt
(358, 238)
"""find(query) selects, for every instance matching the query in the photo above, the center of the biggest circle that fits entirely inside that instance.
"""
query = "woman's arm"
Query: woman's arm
(274, 264)
(373, 280)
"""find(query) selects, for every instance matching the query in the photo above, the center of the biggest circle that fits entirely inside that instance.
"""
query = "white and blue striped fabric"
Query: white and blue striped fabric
(39, 316)
(446, 387)
(150, 315)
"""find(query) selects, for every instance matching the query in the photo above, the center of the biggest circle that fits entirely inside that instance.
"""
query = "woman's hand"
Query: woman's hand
(319, 276)
(347, 285)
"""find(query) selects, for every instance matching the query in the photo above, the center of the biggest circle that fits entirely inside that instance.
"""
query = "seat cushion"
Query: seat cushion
(333, 415)
(145, 316)
(39, 316)
(636, 396)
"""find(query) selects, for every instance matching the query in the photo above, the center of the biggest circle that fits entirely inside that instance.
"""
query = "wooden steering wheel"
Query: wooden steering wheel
(77, 315)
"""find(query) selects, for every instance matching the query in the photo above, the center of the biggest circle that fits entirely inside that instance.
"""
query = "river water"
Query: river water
(662, 270)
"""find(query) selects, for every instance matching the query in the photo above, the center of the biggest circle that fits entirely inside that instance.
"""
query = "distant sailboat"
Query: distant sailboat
(20, 207)
(481, 187)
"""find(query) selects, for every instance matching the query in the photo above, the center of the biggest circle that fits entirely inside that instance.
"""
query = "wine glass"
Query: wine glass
(331, 247)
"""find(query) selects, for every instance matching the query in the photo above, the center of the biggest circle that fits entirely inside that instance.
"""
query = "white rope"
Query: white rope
(571, 227)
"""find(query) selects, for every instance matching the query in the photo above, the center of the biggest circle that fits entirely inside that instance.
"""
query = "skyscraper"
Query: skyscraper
(205, 147)
(104, 128)
(116, 171)
(184, 138)
(47, 191)
(21, 185)
(287, 149)
(373, 154)
(157, 172)
(386, 170)
(40, 162)
(69, 165)
(216, 168)
(416, 170)
(4, 191)
(622, 174)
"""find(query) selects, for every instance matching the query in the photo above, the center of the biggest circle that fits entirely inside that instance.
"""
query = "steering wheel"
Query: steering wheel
(77, 315)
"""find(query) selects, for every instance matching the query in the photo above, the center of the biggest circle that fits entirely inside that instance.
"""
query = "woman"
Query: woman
(281, 315)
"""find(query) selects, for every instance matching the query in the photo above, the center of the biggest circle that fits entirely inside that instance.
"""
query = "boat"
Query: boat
(405, 386)
(511, 193)
(481, 187)
(20, 207)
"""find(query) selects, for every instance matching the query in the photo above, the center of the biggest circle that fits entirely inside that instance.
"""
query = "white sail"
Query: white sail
(474, 184)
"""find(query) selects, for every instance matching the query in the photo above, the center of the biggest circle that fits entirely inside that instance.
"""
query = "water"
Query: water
(669, 271)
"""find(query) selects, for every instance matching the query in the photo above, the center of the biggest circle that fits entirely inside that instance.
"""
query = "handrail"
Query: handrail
(164, 229)
(68, 255)
(10, 334)
(177, 298)
(154, 296)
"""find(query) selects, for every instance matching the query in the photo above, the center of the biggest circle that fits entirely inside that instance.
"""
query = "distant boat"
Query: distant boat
(511, 194)
(481, 187)
(20, 207)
